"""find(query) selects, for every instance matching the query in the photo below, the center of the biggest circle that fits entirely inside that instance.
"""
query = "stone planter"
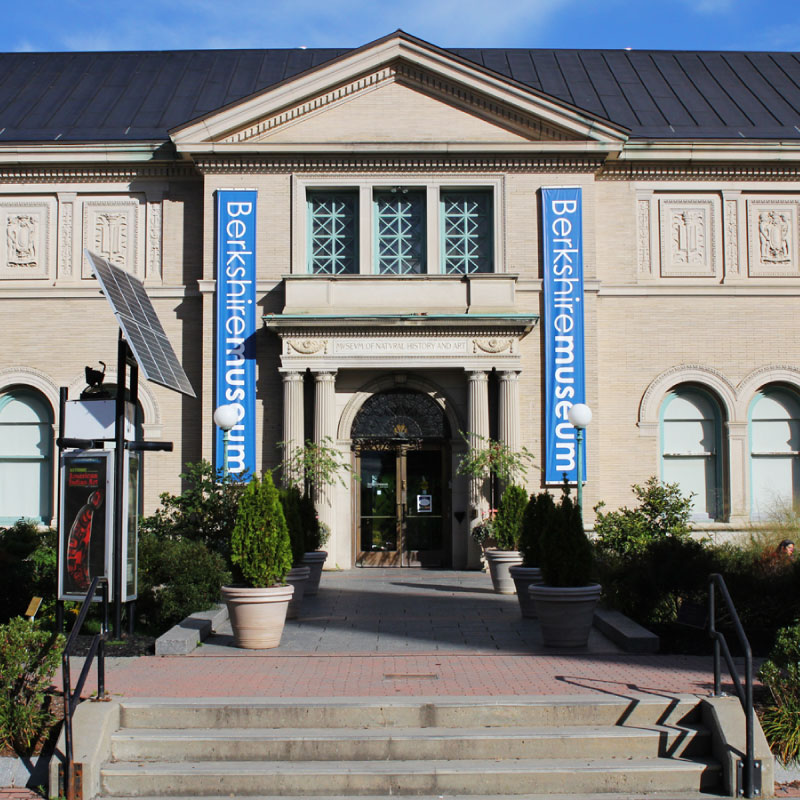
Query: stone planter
(298, 578)
(257, 615)
(565, 613)
(499, 563)
(314, 561)
(523, 577)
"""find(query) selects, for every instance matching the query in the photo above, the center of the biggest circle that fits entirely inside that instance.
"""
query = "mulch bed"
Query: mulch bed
(127, 647)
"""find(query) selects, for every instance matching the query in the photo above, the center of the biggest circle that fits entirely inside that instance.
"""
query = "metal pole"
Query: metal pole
(225, 437)
(63, 395)
(119, 472)
(580, 469)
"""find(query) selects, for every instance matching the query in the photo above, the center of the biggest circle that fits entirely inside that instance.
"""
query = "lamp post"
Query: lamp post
(225, 417)
(580, 415)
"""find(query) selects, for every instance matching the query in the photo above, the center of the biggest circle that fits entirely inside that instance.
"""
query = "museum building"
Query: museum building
(400, 249)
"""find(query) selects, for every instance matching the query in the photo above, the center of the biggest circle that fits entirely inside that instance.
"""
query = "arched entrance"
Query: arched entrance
(401, 443)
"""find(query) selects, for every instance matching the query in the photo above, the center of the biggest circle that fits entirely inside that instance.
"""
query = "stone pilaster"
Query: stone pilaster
(477, 433)
(293, 433)
(508, 424)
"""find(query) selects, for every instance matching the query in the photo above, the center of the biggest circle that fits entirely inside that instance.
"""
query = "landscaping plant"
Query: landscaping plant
(567, 557)
(290, 503)
(508, 521)
(29, 657)
(539, 514)
(261, 551)
(780, 719)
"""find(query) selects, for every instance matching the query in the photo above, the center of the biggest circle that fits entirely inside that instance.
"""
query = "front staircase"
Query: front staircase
(438, 747)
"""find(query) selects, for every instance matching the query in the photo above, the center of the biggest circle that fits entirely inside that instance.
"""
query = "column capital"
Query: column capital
(477, 375)
(324, 375)
(293, 375)
(509, 375)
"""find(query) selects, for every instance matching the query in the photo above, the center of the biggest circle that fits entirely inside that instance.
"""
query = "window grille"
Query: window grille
(400, 232)
(467, 244)
(333, 232)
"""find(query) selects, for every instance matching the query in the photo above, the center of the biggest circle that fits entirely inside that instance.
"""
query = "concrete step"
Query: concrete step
(380, 744)
(473, 712)
(359, 778)
(582, 796)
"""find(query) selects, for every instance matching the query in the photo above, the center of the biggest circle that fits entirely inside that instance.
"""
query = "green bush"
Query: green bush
(508, 522)
(539, 514)
(205, 511)
(29, 657)
(28, 555)
(316, 534)
(662, 512)
(260, 548)
(566, 552)
(290, 503)
(780, 719)
(176, 578)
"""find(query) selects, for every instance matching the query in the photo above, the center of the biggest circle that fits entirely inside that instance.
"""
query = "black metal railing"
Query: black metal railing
(749, 776)
(72, 697)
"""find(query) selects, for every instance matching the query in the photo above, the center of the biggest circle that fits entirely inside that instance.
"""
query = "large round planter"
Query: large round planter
(499, 563)
(257, 615)
(298, 578)
(523, 577)
(314, 561)
(565, 613)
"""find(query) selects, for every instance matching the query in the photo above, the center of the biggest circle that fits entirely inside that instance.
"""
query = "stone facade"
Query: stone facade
(691, 277)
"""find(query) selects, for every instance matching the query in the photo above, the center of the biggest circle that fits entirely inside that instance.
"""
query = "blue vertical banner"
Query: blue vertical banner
(565, 377)
(236, 325)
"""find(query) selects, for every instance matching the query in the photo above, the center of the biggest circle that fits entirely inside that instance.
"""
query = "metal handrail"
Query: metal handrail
(743, 692)
(72, 698)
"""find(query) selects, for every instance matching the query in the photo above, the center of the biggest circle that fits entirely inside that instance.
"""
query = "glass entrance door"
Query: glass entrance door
(401, 507)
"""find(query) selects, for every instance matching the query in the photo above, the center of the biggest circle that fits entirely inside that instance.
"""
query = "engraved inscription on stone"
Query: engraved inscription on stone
(22, 235)
(773, 232)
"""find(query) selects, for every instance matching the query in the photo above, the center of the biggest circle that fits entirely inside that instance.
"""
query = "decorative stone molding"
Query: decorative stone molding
(66, 234)
(785, 374)
(755, 171)
(372, 164)
(731, 238)
(493, 345)
(111, 229)
(155, 213)
(92, 173)
(688, 238)
(28, 232)
(306, 346)
(709, 378)
(34, 379)
(774, 236)
(643, 237)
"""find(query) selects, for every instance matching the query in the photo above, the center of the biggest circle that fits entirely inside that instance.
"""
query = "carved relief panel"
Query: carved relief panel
(773, 236)
(688, 228)
(27, 228)
(112, 228)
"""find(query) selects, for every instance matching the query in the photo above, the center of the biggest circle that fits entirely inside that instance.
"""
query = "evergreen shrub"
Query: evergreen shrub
(291, 505)
(566, 552)
(539, 513)
(260, 548)
(508, 521)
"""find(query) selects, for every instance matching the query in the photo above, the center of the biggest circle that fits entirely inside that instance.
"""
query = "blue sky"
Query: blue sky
(185, 24)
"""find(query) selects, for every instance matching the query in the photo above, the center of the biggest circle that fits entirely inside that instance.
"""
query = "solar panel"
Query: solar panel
(141, 326)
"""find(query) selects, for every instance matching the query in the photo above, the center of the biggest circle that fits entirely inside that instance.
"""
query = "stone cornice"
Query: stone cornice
(92, 173)
(395, 163)
(681, 171)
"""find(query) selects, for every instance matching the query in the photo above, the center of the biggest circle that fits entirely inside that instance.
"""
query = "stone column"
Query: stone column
(325, 433)
(293, 433)
(478, 430)
(508, 411)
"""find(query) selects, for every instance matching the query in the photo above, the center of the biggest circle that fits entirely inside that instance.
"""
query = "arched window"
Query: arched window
(26, 457)
(774, 451)
(691, 446)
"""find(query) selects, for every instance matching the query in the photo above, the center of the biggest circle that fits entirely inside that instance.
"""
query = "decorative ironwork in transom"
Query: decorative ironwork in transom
(400, 231)
(400, 415)
(333, 232)
(467, 241)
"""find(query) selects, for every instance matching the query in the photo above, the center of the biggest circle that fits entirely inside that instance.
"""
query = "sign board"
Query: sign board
(236, 325)
(565, 379)
(86, 528)
(424, 504)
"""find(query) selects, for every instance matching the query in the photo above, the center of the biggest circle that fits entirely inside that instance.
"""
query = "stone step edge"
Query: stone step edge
(183, 638)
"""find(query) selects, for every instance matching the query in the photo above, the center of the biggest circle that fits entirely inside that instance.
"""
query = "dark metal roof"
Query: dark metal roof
(139, 96)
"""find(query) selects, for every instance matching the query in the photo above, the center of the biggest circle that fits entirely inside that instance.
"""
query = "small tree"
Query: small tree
(315, 464)
(290, 502)
(316, 535)
(508, 522)
(260, 547)
(567, 556)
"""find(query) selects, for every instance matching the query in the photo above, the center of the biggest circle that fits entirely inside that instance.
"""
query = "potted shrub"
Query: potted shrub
(299, 573)
(566, 601)
(507, 528)
(313, 468)
(261, 555)
(316, 535)
(538, 514)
